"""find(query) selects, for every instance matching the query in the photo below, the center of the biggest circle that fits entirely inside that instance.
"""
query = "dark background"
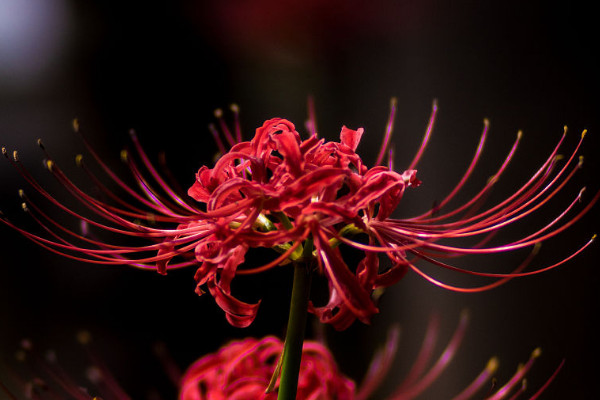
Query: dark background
(162, 69)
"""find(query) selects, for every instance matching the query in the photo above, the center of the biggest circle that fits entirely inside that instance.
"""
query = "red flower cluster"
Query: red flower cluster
(242, 370)
(278, 191)
(302, 198)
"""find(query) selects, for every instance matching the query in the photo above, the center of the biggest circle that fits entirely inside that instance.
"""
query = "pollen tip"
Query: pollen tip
(393, 101)
(486, 122)
(537, 247)
(20, 356)
(580, 163)
(593, 237)
(79, 160)
(519, 135)
(434, 106)
(234, 107)
(21, 193)
(94, 374)
(492, 365)
(132, 133)
(536, 353)
(83, 227)
(84, 337)
(151, 218)
(218, 113)
(4, 151)
(41, 144)
(24, 207)
(124, 155)
(49, 165)
(15, 155)
(583, 133)
(76, 125)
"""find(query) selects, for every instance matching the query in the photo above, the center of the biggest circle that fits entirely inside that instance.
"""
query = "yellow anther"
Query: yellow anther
(84, 337)
(151, 218)
(492, 365)
(20, 356)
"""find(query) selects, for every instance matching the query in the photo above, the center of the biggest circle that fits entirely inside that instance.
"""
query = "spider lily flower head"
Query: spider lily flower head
(243, 370)
(247, 369)
(304, 198)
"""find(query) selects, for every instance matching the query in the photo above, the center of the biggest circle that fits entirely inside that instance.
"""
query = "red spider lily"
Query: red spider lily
(302, 198)
(243, 370)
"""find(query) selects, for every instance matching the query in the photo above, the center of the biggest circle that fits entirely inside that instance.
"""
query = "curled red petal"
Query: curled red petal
(351, 137)
(238, 313)
(345, 290)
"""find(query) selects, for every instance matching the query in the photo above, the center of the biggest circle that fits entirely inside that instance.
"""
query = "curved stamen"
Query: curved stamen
(466, 175)
(428, 131)
(389, 128)
(478, 382)
(516, 378)
(161, 182)
(515, 274)
(440, 365)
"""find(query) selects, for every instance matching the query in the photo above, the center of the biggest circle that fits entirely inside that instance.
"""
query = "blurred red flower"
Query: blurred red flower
(244, 369)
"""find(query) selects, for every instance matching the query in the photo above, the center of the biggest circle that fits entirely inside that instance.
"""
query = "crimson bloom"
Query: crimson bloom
(303, 198)
(243, 370)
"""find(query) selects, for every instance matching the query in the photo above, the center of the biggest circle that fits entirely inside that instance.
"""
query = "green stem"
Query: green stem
(294, 339)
